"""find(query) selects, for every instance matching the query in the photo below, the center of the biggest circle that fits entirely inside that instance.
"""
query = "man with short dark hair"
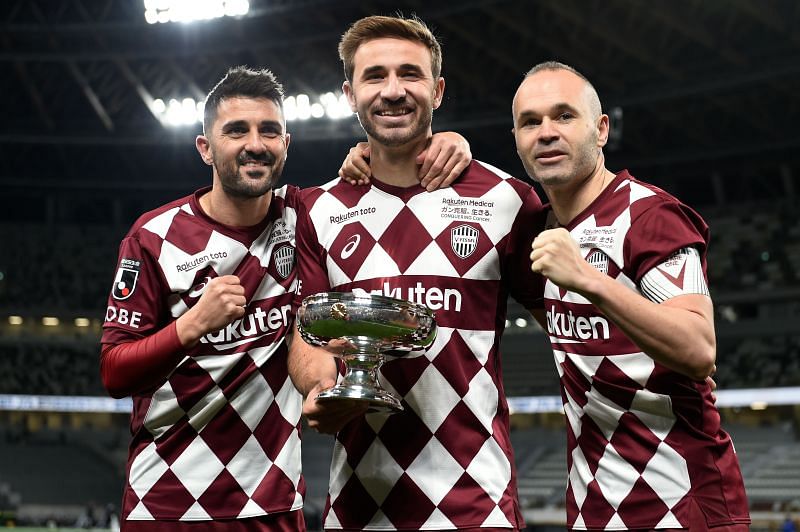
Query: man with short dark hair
(195, 332)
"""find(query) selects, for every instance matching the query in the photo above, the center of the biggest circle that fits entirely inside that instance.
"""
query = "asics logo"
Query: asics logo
(199, 288)
(351, 245)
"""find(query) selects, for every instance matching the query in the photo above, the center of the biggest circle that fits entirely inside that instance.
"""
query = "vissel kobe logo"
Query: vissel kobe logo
(284, 260)
(599, 260)
(464, 240)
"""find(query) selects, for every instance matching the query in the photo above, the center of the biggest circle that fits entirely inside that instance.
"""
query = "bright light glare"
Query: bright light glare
(178, 113)
(15, 320)
(317, 111)
(185, 112)
(82, 322)
(159, 106)
(192, 10)
(303, 106)
(520, 322)
(50, 321)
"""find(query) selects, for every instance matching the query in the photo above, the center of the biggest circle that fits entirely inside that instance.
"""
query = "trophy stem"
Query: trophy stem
(360, 383)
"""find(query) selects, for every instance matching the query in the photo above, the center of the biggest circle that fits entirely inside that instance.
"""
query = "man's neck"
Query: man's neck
(570, 200)
(233, 211)
(397, 165)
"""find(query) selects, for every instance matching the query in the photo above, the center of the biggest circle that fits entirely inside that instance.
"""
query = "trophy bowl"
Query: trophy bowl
(365, 329)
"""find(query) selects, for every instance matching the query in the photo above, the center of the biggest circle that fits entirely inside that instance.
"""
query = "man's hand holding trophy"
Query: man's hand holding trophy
(363, 329)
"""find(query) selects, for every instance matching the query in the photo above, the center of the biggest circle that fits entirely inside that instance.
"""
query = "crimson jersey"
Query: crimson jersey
(446, 461)
(644, 442)
(219, 438)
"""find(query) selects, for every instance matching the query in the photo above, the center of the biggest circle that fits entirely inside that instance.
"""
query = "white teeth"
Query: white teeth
(393, 113)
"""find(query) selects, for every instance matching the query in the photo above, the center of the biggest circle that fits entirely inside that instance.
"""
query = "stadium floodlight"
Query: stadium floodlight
(82, 322)
(176, 112)
(15, 320)
(303, 106)
(50, 321)
(162, 11)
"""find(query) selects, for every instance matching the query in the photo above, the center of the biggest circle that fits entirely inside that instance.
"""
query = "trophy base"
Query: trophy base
(378, 400)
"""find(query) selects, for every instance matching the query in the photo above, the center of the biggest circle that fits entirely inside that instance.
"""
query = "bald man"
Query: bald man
(628, 313)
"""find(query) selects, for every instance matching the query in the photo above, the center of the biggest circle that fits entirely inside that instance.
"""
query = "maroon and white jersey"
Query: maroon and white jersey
(219, 439)
(644, 442)
(445, 462)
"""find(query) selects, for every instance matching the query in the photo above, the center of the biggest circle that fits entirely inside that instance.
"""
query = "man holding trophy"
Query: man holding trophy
(377, 259)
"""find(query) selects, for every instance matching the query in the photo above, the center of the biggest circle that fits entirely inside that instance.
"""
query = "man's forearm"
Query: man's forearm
(308, 365)
(678, 333)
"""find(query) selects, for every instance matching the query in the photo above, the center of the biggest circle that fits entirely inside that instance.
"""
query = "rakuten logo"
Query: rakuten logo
(434, 298)
(250, 327)
(571, 326)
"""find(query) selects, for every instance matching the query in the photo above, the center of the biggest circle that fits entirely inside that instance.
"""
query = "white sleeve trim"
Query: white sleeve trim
(681, 273)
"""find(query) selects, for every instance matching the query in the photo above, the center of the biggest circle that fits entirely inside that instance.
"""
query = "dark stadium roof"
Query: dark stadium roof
(708, 89)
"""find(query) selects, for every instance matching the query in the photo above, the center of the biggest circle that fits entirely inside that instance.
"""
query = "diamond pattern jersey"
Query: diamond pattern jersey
(445, 462)
(644, 442)
(219, 439)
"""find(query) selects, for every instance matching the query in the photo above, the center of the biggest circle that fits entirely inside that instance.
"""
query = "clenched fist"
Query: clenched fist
(556, 256)
(222, 302)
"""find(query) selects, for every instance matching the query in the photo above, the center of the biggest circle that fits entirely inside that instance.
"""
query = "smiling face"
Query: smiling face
(393, 90)
(246, 146)
(558, 127)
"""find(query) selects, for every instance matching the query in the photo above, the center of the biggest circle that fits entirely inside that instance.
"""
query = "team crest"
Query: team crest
(599, 260)
(464, 240)
(284, 260)
(125, 280)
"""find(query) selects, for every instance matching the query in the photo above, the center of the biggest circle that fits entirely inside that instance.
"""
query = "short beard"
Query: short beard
(396, 136)
(236, 186)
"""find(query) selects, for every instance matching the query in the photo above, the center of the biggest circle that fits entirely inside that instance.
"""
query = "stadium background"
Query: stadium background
(703, 100)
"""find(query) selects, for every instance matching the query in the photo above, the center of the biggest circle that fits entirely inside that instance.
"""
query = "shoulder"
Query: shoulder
(648, 199)
(335, 194)
(660, 223)
(160, 218)
(481, 178)
(287, 197)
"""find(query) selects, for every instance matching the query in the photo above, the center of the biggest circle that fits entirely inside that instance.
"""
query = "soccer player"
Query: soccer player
(445, 462)
(628, 313)
(195, 332)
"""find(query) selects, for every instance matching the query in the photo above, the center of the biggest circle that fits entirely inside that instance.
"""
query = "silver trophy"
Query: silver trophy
(364, 329)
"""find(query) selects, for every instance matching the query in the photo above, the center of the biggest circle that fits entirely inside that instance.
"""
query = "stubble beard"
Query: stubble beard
(399, 136)
(570, 170)
(258, 183)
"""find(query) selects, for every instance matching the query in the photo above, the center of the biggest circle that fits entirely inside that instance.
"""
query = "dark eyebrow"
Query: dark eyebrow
(378, 69)
(271, 124)
(411, 66)
(266, 124)
(227, 126)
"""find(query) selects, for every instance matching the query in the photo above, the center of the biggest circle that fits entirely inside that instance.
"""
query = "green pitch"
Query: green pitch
(338, 328)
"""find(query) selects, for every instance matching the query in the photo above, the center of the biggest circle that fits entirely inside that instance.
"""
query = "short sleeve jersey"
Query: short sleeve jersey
(219, 438)
(645, 443)
(445, 461)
